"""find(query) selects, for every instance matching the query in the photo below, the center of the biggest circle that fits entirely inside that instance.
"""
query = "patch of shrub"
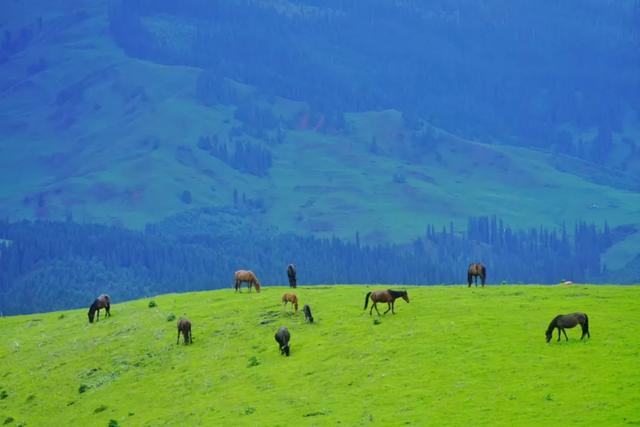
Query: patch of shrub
(253, 361)
(99, 409)
(152, 304)
(112, 423)
(171, 317)
(61, 317)
(249, 410)
(399, 178)
(8, 420)
(377, 321)
(186, 197)
(3, 394)
(83, 388)
(31, 397)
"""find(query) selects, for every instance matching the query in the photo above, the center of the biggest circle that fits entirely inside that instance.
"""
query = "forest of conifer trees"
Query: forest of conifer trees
(67, 264)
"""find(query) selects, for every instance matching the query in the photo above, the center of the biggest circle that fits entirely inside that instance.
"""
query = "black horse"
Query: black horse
(307, 313)
(282, 337)
(475, 271)
(387, 296)
(184, 326)
(103, 301)
(563, 321)
(291, 274)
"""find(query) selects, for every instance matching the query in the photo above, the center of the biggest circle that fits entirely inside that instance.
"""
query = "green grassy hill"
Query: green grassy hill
(452, 356)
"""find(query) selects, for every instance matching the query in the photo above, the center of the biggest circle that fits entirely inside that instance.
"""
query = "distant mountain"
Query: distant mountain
(324, 118)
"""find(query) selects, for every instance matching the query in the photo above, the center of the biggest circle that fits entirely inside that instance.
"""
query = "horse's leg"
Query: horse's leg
(178, 340)
(559, 334)
(565, 335)
(388, 308)
(371, 309)
(98, 315)
(375, 304)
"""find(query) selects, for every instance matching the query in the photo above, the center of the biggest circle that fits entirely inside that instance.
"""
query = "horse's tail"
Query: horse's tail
(586, 324)
(366, 300)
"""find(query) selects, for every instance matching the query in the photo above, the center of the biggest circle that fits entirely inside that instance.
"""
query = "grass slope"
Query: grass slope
(453, 356)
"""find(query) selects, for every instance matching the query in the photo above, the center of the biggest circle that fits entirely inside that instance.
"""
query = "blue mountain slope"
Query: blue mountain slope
(96, 131)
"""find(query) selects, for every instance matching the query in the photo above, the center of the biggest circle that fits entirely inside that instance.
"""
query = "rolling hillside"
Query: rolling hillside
(452, 356)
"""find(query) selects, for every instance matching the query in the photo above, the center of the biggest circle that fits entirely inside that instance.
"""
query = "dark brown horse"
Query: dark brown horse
(184, 326)
(248, 277)
(307, 313)
(475, 271)
(562, 321)
(387, 296)
(291, 274)
(292, 298)
(283, 337)
(103, 301)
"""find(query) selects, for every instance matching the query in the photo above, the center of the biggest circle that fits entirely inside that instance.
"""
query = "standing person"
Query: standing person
(291, 273)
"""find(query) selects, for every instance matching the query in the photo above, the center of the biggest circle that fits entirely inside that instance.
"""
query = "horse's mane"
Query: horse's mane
(553, 322)
(396, 294)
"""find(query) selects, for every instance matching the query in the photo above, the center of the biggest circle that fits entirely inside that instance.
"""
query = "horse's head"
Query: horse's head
(548, 334)
(405, 296)
(91, 314)
(257, 286)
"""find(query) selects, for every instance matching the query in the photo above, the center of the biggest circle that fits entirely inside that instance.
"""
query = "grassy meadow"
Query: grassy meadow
(452, 356)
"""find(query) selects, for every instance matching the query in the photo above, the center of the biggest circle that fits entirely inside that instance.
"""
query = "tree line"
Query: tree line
(56, 265)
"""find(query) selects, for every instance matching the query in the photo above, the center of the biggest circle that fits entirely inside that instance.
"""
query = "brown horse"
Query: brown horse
(291, 274)
(246, 276)
(184, 326)
(292, 298)
(562, 321)
(103, 301)
(387, 296)
(475, 271)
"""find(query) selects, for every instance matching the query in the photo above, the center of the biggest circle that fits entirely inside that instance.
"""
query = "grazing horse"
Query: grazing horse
(307, 313)
(291, 273)
(387, 296)
(282, 337)
(184, 326)
(246, 276)
(475, 271)
(292, 298)
(563, 321)
(103, 301)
